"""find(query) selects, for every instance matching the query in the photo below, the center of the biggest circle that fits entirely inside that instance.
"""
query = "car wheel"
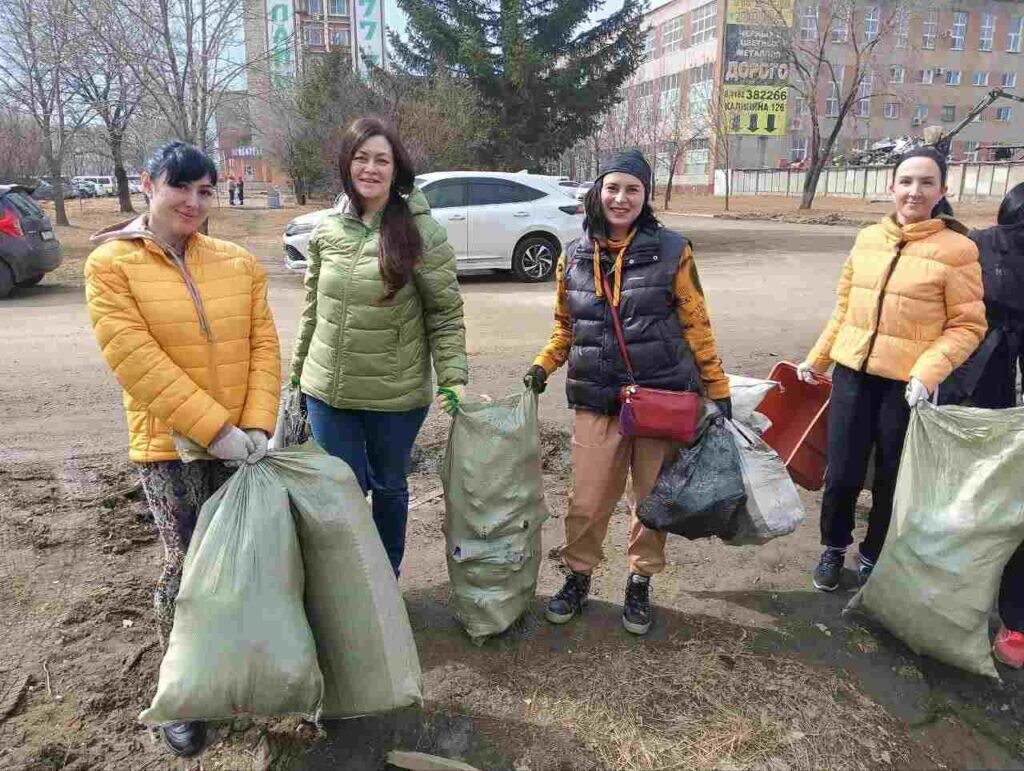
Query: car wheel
(32, 281)
(534, 259)
(6, 279)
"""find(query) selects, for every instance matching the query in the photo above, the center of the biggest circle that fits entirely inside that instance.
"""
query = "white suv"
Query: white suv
(495, 221)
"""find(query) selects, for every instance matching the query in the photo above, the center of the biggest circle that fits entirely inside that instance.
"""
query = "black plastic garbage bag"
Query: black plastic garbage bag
(699, 493)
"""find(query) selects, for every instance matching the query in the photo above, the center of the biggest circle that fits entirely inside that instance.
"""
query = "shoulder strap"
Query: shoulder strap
(618, 328)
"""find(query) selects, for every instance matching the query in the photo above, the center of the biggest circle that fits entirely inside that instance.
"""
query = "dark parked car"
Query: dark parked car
(29, 248)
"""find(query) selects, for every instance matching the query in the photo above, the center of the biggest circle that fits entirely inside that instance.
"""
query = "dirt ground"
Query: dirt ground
(746, 666)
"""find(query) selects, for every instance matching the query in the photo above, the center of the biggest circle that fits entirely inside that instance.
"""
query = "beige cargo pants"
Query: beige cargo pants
(602, 461)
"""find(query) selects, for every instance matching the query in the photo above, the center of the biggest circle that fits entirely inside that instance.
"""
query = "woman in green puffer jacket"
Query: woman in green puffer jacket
(382, 300)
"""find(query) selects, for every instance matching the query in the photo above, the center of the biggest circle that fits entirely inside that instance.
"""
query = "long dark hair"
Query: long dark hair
(1011, 210)
(596, 224)
(400, 241)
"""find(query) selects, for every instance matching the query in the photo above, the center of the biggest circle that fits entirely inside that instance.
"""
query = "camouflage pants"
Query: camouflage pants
(176, 492)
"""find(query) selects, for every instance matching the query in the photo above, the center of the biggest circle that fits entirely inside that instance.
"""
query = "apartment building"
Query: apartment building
(932, 64)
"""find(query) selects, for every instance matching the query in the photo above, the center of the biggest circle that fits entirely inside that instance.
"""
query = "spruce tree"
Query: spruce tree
(543, 72)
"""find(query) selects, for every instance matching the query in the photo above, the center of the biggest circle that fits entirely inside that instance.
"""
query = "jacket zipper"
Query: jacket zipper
(881, 302)
(348, 286)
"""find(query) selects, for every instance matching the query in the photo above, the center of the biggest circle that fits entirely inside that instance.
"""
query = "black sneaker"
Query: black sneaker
(184, 739)
(864, 568)
(570, 599)
(830, 567)
(636, 610)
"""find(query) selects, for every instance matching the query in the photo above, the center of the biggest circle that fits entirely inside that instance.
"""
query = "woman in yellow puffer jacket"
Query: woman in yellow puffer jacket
(183, 321)
(909, 311)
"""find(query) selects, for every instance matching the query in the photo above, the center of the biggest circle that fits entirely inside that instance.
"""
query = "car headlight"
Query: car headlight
(297, 228)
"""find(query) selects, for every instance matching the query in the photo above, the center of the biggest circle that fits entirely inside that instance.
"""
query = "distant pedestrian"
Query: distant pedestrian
(231, 190)
(909, 311)
(241, 190)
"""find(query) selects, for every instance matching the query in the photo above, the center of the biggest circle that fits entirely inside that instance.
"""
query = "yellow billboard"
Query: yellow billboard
(756, 110)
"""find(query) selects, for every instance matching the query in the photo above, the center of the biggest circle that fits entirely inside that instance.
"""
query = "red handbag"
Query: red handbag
(652, 412)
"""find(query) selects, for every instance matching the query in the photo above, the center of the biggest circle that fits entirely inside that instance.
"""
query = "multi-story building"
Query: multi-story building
(282, 39)
(932, 63)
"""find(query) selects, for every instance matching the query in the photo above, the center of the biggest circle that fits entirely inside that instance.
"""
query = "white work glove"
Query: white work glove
(231, 445)
(916, 392)
(259, 441)
(805, 372)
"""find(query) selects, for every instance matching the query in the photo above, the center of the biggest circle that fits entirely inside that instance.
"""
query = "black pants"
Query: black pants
(1011, 592)
(866, 412)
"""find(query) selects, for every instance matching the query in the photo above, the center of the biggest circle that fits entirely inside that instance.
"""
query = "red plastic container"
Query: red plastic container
(799, 431)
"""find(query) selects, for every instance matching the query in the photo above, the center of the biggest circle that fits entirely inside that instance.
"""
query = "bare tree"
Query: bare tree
(178, 52)
(21, 142)
(831, 52)
(36, 41)
(114, 95)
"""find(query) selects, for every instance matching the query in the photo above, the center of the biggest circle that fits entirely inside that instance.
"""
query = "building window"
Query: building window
(703, 22)
(959, 30)
(1009, 80)
(863, 144)
(840, 29)
(988, 32)
(920, 113)
(927, 77)
(980, 79)
(648, 52)
(952, 77)
(668, 96)
(834, 87)
(798, 148)
(314, 7)
(948, 113)
(903, 29)
(971, 147)
(339, 7)
(929, 25)
(698, 97)
(864, 95)
(871, 23)
(314, 35)
(698, 153)
(672, 35)
(340, 38)
(809, 22)
(1004, 114)
(892, 110)
(1013, 35)
(896, 73)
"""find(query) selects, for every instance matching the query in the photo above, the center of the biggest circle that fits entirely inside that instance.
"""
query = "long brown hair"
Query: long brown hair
(400, 243)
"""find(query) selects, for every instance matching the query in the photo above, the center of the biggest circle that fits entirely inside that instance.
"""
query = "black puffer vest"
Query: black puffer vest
(650, 323)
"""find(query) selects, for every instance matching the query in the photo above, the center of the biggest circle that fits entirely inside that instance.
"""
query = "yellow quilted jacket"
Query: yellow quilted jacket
(910, 303)
(192, 342)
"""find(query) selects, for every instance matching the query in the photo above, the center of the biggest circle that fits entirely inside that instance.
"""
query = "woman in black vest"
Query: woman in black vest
(654, 285)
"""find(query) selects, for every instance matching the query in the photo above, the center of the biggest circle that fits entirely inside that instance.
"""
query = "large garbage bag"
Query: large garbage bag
(957, 519)
(363, 638)
(698, 493)
(772, 507)
(494, 502)
(287, 604)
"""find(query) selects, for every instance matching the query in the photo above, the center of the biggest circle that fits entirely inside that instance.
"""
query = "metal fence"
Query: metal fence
(966, 181)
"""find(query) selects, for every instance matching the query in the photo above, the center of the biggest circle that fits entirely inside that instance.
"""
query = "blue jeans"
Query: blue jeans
(378, 448)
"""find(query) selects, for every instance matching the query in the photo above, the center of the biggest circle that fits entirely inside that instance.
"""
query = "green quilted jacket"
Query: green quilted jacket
(356, 351)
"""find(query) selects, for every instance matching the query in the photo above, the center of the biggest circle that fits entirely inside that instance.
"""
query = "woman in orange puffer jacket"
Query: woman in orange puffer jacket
(909, 311)
(183, 321)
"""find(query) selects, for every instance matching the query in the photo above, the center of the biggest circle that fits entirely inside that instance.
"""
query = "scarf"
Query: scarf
(618, 248)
